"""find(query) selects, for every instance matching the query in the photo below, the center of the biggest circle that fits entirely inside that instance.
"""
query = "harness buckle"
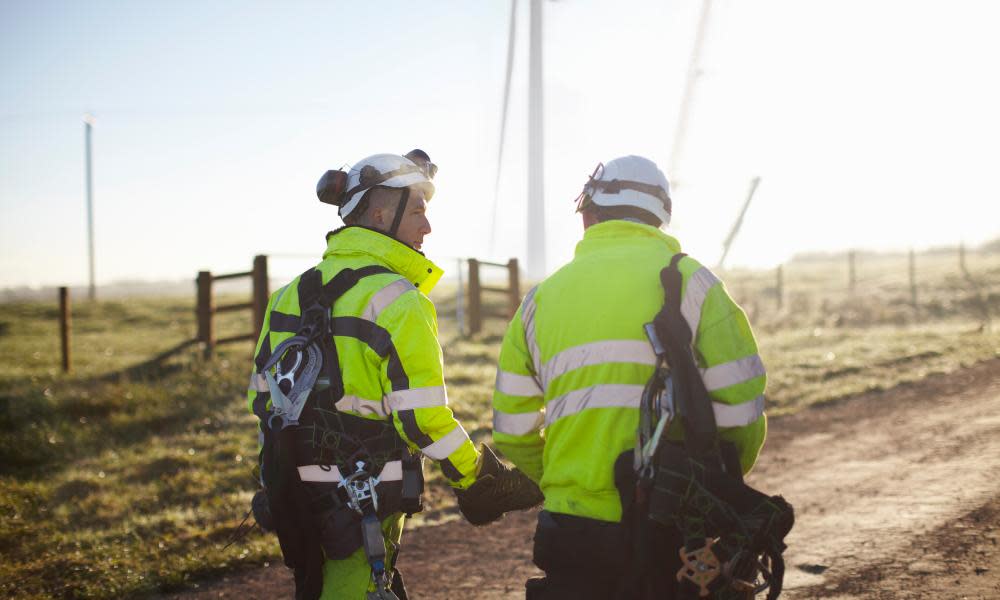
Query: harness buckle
(360, 488)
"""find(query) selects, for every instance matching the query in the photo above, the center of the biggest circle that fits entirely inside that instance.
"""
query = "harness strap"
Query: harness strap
(345, 280)
(777, 573)
(391, 471)
(693, 403)
(315, 302)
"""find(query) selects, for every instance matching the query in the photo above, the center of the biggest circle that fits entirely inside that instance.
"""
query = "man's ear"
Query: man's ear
(377, 217)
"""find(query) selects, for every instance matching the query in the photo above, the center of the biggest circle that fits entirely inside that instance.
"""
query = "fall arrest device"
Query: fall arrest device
(329, 478)
(685, 504)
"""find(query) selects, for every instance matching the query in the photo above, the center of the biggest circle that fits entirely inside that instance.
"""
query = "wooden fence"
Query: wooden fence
(476, 289)
(206, 309)
(65, 327)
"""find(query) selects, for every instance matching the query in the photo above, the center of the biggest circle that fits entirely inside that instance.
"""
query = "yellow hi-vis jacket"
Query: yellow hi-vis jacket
(393, 370)
(575, 359)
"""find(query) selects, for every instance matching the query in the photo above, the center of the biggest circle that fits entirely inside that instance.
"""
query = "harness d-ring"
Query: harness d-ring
(270, 422)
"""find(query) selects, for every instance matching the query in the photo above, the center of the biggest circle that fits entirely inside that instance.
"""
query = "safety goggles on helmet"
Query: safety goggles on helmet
(584, 199)
(422, 160)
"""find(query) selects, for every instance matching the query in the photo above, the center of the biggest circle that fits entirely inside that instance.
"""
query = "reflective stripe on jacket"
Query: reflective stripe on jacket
(391, 362)
(575, 359)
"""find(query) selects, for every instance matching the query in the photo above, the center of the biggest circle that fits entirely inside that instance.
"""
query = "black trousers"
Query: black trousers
(583, 559)
(586, 559)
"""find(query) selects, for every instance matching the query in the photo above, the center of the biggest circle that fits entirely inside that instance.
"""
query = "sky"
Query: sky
(872, 124)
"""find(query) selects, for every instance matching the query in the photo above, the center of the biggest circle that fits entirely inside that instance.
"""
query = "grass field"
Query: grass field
(127, 477)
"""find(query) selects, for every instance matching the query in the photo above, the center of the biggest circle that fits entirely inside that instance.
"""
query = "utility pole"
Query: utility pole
(88, 123)
(536, 167)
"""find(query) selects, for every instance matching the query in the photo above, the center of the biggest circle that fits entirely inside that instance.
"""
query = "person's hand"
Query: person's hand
(498, 489)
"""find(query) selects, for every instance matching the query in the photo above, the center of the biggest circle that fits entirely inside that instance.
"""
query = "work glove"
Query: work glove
(498, 489)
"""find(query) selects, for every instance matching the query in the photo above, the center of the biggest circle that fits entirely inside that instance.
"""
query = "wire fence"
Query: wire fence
(862, 288)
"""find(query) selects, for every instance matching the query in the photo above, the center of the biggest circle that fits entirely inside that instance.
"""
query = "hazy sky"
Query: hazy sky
(873, 123)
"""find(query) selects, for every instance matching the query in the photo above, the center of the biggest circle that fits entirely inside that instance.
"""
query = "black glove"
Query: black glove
(498, 489)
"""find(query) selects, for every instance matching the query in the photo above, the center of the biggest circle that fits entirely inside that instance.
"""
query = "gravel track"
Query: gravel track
(897, 495)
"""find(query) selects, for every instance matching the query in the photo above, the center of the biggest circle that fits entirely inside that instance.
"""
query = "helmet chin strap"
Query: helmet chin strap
(400, 211)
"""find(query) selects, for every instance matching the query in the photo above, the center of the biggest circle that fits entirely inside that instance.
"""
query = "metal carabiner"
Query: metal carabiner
(289, 376)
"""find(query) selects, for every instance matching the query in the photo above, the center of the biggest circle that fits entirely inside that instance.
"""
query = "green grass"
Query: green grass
(126, 478)
(819, 365)
(118, 480)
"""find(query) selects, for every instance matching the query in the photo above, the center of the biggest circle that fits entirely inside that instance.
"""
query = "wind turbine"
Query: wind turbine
(693, 74)
(535, 257)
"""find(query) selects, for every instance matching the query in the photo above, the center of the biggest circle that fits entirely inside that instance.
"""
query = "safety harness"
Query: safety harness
(329, 478)
(686, 504)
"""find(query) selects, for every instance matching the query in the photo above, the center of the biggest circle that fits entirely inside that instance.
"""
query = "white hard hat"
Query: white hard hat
(629, 181)
(378, 170)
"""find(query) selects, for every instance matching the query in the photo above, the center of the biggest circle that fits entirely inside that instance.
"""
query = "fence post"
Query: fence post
(779, 287)
(460, 301)
(913, 279)
(475, 298)
(65, 325)
(206, 334)
(260, 293)
(850, 271)
(514, 285)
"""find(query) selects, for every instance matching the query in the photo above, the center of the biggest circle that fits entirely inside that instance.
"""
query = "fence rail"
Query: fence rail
(476, 289)
(206, 308)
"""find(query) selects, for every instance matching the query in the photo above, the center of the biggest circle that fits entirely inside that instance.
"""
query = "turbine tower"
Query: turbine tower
(690, 80)
(536, 150)
(535, 252)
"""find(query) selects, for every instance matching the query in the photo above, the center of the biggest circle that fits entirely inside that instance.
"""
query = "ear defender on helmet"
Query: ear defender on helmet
(331, 187)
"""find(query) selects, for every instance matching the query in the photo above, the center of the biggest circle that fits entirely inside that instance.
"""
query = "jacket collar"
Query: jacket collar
(617, 231)
(355, 240)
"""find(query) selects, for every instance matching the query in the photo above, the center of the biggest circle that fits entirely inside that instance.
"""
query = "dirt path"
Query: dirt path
(897, 495)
